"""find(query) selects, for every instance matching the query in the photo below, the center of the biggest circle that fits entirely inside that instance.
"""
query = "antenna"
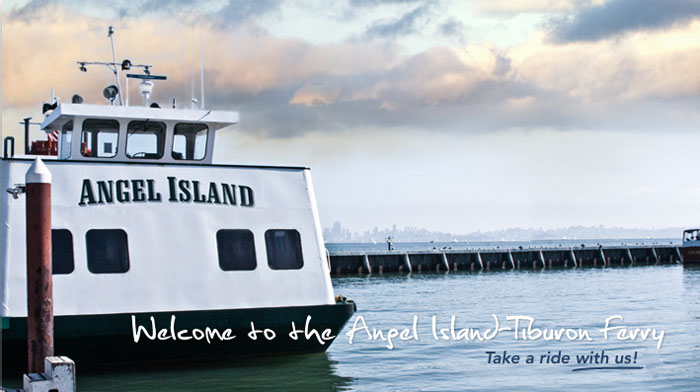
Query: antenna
(201, 67)
(194, 100)
(50, 106)
(115, 68)
(110, 34)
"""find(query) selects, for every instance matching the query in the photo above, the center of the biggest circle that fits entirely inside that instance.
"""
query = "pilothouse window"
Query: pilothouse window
(145, 139)
(66, 137)
(99, 138)
(190, 141)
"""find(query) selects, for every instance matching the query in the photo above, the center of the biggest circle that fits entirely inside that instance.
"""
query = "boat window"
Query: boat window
(145, 139)
(236, 250)
(107, 251)
(66, 137)
(61, 252)
(99, 138)
(190, 141)
(283, 249)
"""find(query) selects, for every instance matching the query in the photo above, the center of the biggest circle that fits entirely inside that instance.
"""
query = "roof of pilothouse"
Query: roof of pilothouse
(65, 112)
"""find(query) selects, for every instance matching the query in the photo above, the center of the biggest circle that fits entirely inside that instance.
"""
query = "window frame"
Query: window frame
(94, 141)
(206, 141)
(160, 143)
(65, 134)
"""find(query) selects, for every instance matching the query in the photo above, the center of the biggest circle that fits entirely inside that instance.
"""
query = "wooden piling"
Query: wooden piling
(39, 279)
(510, 259)
(573, 257)
(656, 256)
(367, 265)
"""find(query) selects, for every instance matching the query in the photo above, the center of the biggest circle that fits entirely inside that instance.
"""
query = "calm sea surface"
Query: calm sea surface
(665, 298)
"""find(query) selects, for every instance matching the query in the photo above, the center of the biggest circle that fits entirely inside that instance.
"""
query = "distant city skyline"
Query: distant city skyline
(338, 233)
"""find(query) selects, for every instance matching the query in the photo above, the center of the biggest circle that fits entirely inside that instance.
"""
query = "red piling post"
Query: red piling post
(39, 280)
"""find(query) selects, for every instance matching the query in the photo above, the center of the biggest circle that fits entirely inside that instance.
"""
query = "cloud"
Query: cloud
(637, 67)
(314, 94)
(374, 3)
(403, 25)
(27, 11)
(617, 17)
(452, 28)
(438, 76)
(525, 6)
(286, 87)
(158, 5)
(140, 8)
(236, 12)
(226, 14)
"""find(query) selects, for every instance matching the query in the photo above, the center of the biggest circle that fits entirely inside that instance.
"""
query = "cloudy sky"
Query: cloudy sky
(449, 115)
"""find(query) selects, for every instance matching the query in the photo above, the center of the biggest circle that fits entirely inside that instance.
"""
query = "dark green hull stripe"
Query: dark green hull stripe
(108, 338)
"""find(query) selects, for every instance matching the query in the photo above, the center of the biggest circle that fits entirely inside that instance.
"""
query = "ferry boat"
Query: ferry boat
(157, 252)
(691, 246)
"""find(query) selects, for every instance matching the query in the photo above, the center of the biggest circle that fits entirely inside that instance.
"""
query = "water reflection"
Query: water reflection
(692, 268)
(312, 372)
(691, 285)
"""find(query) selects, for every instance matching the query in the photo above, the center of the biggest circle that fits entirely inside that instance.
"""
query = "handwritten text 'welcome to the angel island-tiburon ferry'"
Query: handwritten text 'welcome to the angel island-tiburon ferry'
(520, 327)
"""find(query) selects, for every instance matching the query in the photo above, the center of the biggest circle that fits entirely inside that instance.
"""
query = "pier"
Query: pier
(442, 260)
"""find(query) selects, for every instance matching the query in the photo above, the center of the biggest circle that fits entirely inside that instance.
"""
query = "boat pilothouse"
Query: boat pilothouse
(136, 134)
(691, 246)
(150, 239)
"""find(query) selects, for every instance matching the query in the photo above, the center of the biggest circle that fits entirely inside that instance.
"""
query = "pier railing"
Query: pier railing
(352, 262)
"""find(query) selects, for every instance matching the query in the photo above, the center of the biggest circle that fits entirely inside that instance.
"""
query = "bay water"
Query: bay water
(661, 300)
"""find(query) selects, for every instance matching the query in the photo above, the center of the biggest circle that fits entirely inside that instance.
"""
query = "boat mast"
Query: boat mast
(116, 90)
(201, 69)
(110, 34)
